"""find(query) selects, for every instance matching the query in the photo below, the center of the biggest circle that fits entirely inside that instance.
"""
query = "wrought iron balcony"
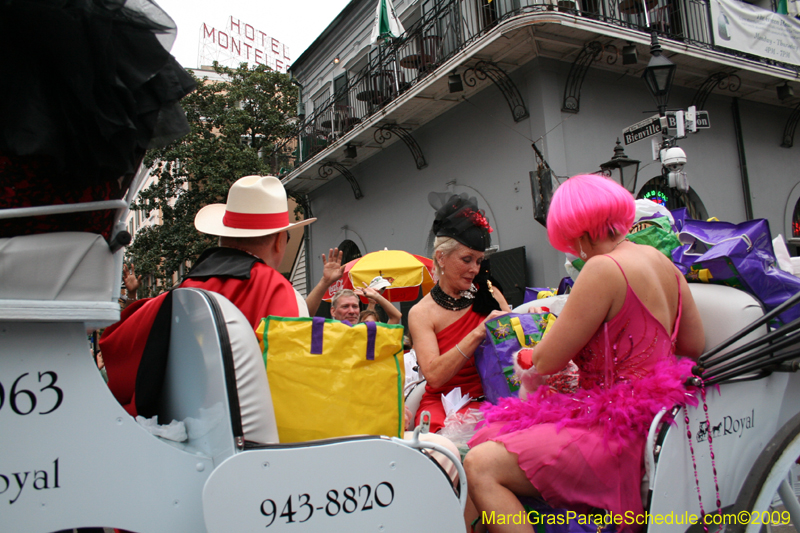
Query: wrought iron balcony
(449, 26)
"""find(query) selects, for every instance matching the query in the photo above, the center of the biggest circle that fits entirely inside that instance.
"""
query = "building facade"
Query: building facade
(387, 124)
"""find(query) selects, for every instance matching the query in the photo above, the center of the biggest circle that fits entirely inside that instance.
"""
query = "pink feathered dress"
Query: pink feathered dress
(585, 449)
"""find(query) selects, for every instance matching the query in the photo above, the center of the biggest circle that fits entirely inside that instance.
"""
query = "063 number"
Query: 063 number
(23, 401)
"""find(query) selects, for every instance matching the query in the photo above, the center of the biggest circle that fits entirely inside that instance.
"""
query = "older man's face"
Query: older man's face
(346, 309)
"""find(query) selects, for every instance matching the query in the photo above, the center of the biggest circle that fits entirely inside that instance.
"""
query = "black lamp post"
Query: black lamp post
(621, 168)
(658, 76)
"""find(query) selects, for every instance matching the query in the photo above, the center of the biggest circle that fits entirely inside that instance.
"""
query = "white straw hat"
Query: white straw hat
(256, 206)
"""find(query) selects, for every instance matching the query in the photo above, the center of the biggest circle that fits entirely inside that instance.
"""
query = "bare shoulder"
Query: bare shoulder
(421, 310)
(656, 258)
(599, 269)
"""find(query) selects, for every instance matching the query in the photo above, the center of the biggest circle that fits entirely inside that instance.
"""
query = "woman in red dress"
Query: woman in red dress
(447, 324)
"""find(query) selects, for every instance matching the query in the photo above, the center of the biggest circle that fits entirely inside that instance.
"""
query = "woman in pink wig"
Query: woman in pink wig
(629, 313)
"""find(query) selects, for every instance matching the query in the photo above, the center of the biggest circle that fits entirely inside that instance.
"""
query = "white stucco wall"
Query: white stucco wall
(477, 148)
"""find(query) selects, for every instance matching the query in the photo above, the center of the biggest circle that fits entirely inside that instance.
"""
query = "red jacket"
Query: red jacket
(255, 288)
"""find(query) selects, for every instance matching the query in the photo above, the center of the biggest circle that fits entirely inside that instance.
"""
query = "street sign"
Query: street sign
(703, 121)
(701, 117)
(642, 130)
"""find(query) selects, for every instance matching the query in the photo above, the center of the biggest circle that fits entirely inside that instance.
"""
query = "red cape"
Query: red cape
(264, 292)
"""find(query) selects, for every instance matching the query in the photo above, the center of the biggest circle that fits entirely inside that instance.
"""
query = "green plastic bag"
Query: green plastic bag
(655, 232)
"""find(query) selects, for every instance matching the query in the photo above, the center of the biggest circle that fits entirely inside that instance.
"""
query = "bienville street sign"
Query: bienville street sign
(642, 130)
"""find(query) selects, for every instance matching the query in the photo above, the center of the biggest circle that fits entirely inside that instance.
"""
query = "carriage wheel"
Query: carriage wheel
(768, 477)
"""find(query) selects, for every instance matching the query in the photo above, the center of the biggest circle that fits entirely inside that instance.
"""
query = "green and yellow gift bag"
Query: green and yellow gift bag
(329, 379)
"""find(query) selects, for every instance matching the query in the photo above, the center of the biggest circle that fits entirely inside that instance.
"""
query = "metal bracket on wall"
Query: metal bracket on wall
(384, 133)
(791, 126)
(326, 169)
(487, 69)
(723, 80)
(590, 53)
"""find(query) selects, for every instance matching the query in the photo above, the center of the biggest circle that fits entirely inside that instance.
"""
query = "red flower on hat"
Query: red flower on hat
(477, 219)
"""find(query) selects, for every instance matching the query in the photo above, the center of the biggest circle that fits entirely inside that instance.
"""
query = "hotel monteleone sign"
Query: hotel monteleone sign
(241, 42)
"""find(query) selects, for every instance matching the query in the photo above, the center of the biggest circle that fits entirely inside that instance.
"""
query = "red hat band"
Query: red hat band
(255, 220)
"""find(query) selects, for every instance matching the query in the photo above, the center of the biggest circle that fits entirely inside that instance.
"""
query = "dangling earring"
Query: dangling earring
(583, 254)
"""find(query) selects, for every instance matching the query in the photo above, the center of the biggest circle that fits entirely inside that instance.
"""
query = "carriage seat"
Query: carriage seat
(725, 311)
(215, 373)
(66, 266)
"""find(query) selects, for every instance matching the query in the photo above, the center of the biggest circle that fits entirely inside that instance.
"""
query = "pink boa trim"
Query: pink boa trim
(624, 411)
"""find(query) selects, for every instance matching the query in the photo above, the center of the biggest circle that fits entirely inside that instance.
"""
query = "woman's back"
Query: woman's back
(630, 344)
(599, 295)
(652, 277)
(662, 290)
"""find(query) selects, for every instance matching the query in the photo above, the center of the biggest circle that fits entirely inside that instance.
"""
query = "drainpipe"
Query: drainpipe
(301, 112)
(737, 126)
(301, 108)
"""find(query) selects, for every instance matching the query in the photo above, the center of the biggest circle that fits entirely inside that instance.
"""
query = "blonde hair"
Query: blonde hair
(446, 245)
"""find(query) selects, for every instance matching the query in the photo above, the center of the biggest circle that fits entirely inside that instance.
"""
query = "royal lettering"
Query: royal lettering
(12, 485)
(729, 425)
(733, 426)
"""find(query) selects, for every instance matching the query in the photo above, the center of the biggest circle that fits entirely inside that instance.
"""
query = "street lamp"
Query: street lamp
(621, 168)
(658, 75)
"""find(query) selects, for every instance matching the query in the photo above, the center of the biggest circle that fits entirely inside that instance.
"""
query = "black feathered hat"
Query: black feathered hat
(459, 217)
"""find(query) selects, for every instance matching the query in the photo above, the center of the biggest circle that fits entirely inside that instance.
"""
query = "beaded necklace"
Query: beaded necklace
(702, 387)
(448, 302)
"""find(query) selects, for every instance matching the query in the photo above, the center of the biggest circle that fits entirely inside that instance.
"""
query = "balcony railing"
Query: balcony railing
(448, 26)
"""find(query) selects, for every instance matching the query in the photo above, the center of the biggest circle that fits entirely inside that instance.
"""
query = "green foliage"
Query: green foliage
(235, 128)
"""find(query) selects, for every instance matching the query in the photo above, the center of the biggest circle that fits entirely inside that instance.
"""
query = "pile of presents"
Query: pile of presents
(743, 256)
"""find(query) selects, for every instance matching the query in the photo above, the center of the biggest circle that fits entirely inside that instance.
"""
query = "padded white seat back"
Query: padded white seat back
(725, 311)
(67, 266)
(255, 399)
(215, 375)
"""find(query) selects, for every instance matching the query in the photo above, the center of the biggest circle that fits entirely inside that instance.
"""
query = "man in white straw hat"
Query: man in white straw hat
(252, 228)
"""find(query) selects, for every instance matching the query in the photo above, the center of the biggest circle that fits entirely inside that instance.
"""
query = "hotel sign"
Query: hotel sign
(241, 42)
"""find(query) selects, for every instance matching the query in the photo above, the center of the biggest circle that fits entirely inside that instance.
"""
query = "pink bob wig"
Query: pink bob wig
(591, 205)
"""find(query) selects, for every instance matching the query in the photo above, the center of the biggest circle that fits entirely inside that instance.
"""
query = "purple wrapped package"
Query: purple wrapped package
(532, 293)
(737, 255)
(565, 286)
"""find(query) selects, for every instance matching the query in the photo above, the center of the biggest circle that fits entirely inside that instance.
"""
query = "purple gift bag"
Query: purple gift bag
(737, 255)
(494, 358)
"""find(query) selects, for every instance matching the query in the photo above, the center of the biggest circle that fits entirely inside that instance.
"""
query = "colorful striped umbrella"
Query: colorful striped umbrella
(408, 273)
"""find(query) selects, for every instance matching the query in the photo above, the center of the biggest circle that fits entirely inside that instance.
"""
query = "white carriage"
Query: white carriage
(72, 457)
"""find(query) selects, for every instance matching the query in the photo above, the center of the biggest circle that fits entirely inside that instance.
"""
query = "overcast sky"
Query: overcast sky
(296, 23)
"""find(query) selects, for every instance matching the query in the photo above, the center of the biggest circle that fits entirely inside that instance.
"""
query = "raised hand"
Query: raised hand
(130, 279)
(367, 292)
(333, 267)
